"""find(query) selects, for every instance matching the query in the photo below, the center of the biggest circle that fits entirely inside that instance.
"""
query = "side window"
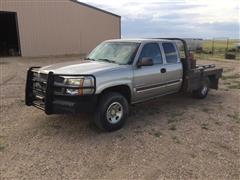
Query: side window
(170, 53)
(152, 51)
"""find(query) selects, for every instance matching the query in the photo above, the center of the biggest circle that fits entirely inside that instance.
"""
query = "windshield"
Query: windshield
(114, 52)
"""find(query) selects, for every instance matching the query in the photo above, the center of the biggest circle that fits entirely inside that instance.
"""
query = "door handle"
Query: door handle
(163, 70)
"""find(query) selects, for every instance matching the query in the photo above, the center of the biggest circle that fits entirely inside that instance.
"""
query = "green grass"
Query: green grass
(219, 44)
(2, 144)
(2, 147)
(172, 120)
(236, 81)
(205, 109)
(234, 76)
(157, 134)
(56, 126)
(226, 70)
(234, 86)
(232, 81)
(174, 116)
(137, 131)
(175, 139)
(173, 127)
(218, 123)
(220, 47)
(227, 83)
(204, 126)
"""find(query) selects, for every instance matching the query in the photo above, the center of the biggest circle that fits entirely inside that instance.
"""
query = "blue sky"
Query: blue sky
(175, 18)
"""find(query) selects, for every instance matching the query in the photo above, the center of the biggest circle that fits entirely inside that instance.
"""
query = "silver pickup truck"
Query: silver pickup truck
(116, 74)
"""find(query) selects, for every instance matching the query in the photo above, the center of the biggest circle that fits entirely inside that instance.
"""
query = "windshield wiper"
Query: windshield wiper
(107, 60)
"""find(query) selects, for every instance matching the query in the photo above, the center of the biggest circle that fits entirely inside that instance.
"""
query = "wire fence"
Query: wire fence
(218, 49)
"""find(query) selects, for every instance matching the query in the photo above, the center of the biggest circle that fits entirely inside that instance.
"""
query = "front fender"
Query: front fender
(101, 87)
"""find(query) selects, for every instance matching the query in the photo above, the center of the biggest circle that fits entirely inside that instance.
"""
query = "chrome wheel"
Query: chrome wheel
(114, 113)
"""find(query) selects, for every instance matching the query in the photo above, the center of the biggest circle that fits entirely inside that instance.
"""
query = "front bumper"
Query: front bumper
(74, 106)
(44, 95)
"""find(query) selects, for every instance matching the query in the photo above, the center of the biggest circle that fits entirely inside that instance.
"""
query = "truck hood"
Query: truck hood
(79, 67)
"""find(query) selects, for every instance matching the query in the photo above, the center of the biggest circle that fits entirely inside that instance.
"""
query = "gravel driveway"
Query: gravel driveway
(174, 137)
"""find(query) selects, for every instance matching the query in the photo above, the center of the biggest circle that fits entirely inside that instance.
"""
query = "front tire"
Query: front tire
(112, 112)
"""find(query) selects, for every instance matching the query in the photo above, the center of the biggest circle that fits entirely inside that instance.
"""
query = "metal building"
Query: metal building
(33, 28)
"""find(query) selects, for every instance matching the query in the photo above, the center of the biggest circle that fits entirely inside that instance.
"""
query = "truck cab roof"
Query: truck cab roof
(139, 40)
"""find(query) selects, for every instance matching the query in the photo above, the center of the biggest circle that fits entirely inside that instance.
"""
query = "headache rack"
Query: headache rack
(42, 89)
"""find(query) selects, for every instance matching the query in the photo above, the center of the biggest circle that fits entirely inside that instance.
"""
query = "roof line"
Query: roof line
(93, 7)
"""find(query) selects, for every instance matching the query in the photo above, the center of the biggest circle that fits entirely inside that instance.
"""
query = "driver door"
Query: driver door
(148, 79)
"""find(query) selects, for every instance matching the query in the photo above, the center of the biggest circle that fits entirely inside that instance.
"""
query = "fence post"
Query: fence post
(227, 44)
(212, 46)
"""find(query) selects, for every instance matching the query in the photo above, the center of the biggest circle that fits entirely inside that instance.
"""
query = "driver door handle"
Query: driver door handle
(163, 70)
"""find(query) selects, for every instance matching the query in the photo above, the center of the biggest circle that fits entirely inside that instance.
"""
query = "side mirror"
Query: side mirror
(146, 61)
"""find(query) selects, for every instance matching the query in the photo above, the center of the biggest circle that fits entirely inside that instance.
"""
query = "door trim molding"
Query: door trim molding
(154, 86)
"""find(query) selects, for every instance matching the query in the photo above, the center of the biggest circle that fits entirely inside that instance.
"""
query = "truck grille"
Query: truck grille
(39, 89)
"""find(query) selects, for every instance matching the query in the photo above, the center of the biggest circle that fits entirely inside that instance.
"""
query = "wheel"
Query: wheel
(112, 112)
(202, 92)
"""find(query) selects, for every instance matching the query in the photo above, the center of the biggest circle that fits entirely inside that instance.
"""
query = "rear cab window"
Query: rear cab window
(170, 52)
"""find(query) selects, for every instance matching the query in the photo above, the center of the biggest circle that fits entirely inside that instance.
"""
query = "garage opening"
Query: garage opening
(9, 37)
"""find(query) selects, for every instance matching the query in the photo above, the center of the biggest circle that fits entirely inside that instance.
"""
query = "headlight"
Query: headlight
(74, 82)
(85, 84)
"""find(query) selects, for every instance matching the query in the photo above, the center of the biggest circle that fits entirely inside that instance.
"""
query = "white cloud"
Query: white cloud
(213, 11)
(203, 18)
(208, 11)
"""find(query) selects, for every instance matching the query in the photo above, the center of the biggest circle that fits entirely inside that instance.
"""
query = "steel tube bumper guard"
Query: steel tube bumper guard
(47, 100)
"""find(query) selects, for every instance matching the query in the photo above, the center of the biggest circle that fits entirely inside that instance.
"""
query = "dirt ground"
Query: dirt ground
(174, 137)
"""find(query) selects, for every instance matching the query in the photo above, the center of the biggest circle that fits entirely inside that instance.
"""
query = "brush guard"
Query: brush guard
(44, 97)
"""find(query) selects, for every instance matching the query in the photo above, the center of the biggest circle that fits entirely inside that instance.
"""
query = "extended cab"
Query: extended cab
(116, 74)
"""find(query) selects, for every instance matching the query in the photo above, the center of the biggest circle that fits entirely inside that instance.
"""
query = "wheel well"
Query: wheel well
(122, 89)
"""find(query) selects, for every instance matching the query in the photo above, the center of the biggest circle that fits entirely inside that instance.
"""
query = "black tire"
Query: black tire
(202, 92)
(107, 101)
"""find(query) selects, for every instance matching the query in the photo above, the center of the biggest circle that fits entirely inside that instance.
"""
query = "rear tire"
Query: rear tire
(202, 92)
(112, 112)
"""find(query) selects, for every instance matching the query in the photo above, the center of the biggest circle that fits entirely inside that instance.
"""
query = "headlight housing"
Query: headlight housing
(79, 86)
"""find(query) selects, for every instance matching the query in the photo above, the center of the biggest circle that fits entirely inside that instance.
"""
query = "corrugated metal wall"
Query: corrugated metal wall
(59, 27)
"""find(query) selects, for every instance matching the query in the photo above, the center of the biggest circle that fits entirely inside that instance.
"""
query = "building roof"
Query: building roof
(93, 7)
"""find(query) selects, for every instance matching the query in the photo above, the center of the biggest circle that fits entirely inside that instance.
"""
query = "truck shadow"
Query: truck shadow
(148, 114)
